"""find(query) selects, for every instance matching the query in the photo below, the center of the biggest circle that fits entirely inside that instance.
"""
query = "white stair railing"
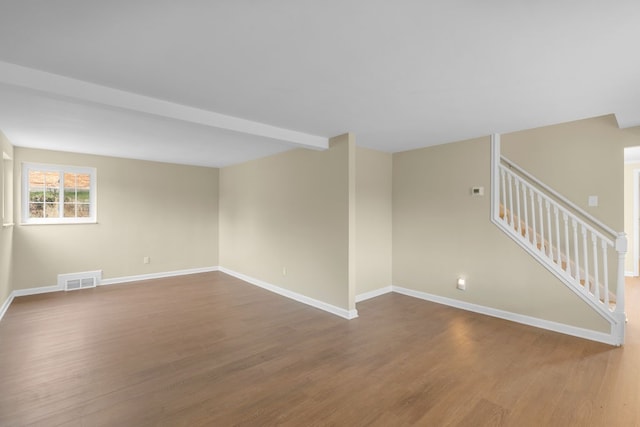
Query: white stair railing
(581, 251)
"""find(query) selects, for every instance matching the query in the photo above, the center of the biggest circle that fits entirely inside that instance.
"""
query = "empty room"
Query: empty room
(319, 213)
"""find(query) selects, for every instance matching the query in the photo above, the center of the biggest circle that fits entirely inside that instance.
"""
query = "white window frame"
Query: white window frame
(91, 219)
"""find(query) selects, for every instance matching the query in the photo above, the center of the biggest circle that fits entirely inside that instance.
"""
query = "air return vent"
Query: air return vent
(74, 281)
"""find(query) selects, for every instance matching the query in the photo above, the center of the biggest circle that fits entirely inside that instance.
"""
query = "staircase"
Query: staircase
(581, 251)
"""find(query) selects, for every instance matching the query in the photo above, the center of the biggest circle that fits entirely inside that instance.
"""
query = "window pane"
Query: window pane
(69, 195)
(36, 188)
(69, 210)
(69, 180)
(52, 195)
(36, 210)
(84, 181)
(69, 190)
(83, 210)
(76, 190)
(52, 179)
(51, 210)
(83, 187)
(36, 196)
(83, 196)
(36, 179)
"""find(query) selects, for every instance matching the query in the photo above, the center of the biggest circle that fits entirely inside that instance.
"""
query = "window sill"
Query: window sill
(8, 224)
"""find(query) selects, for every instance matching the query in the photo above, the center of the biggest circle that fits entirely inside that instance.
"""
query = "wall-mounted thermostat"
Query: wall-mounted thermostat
(477, 191)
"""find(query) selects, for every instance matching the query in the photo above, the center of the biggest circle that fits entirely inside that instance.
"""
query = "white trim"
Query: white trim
(139, 277)
(57, 288)
(54, 84)
(61, 170)
(35, 291)
(629, 274)
(5, 305)
(514, 317)
(372, 294)
(347, 314)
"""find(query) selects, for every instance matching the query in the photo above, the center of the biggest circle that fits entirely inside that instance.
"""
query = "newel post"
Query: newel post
(621, 248)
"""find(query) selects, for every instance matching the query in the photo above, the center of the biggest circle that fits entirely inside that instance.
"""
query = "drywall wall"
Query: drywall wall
(285, 220)
(164, 211)
(629, 169)
(373, 224)
(442, 232)
(6, 231)
(578, 159)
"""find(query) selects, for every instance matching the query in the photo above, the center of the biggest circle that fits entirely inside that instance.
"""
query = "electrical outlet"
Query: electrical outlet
(284, 271)
(146, 260)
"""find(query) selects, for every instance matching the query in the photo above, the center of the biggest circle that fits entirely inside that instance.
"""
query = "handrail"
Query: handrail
(574, 246)
(610, 242)
(566, 201)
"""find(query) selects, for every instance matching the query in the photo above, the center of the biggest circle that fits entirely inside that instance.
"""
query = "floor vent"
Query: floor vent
(75, 281)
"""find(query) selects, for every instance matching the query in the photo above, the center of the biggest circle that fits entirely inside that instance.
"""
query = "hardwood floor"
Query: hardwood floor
(210, 350)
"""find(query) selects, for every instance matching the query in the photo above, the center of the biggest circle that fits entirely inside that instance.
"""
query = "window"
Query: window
(58, 194)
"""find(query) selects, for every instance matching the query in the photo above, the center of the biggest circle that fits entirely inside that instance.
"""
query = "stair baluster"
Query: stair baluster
(555, 243)
(565, 221)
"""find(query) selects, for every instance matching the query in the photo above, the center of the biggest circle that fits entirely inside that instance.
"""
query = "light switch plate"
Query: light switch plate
(477, 191)
(593, 200)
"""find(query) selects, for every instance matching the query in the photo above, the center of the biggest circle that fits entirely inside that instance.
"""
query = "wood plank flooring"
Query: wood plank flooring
(210, 350)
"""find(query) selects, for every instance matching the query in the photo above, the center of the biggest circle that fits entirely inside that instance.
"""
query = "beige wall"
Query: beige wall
(340, 222)
(291, 211)
(441, 232)
(578, 159)
(164, 211)
(373, 225)
(6, 232)
(628, 211)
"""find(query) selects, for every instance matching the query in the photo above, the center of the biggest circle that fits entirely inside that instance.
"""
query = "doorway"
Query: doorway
(632, 209)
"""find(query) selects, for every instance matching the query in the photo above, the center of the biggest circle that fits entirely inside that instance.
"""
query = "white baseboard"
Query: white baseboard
(5, 305)
(54, 288)
(372, 294)
(139, 277)
(24, 292)
(629, 274)
(347, 314)
(35, 291)
(514, 317)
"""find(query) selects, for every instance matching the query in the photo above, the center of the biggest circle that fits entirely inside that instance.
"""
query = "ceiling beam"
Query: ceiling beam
(84, 91)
